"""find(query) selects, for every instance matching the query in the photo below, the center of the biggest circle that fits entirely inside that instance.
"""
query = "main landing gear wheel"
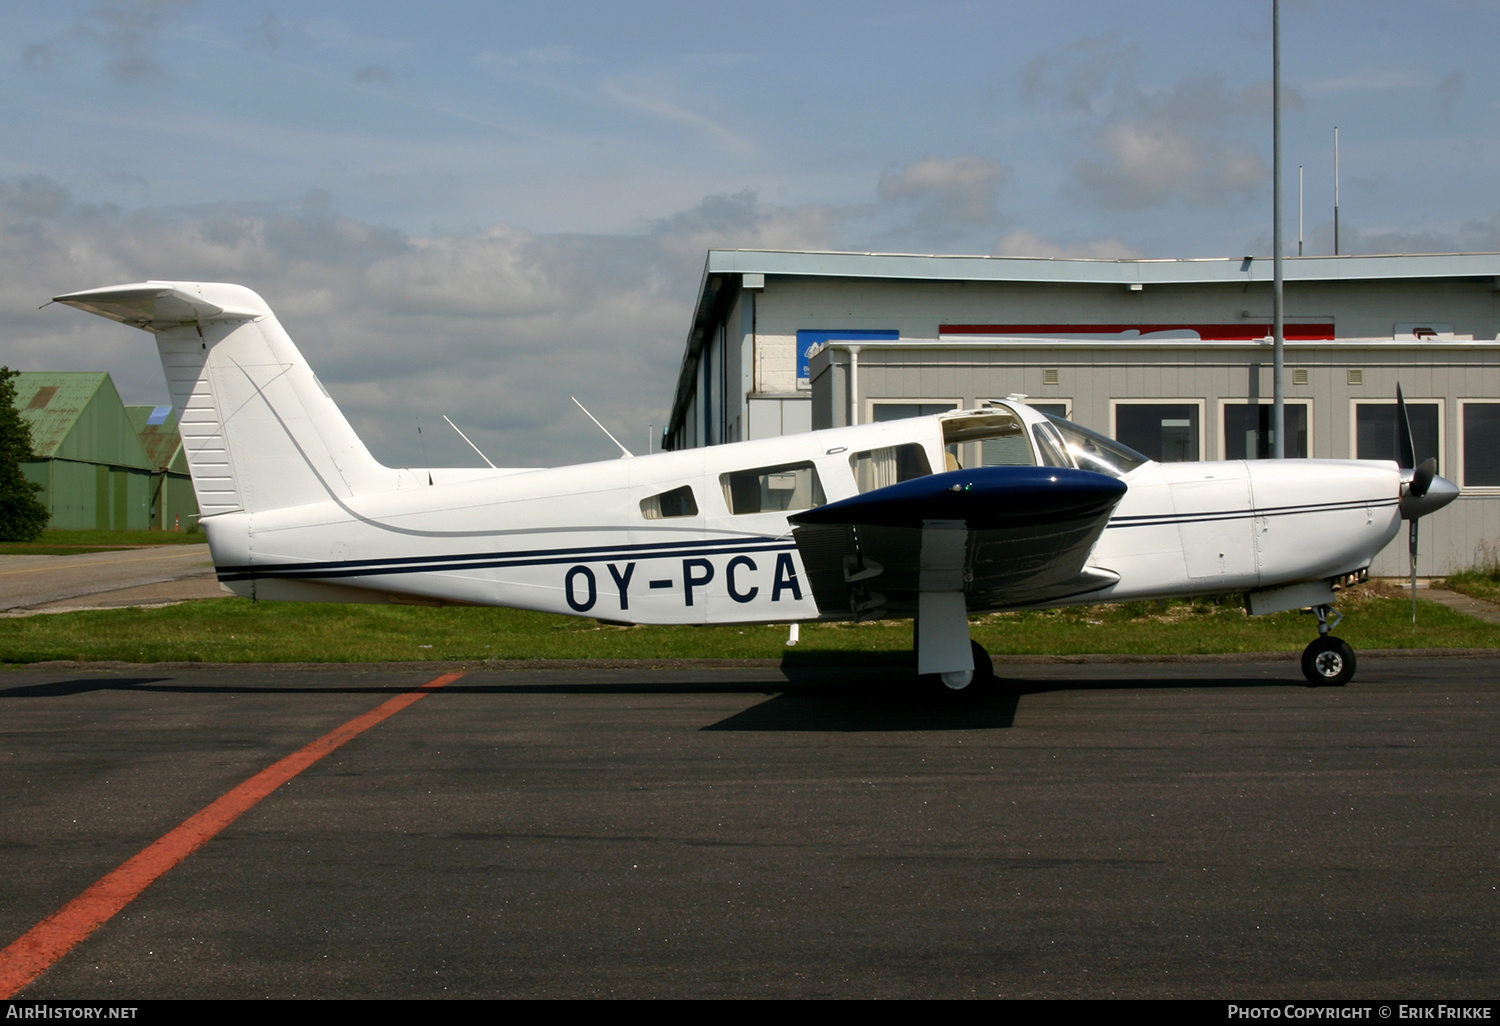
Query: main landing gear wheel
(966, 683)
(1328, 661)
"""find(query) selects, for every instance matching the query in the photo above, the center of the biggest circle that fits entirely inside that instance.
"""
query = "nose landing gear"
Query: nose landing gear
(1328, 660)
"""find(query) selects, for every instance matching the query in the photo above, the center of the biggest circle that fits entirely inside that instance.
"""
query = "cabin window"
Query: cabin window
(1050, 446)
(790, 486)
(881, 468)
(678, 502)
(1006, 451)
(1092, 451)
(994, 438)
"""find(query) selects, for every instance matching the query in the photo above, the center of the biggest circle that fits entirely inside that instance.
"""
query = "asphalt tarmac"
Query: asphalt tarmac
(1142, 830)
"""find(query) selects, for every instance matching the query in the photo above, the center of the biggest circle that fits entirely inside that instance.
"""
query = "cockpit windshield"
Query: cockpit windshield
(1093, 451)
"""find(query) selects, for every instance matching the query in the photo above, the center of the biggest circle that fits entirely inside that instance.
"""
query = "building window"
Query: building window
(897, 409)
(678, 502)
(1248, 435)
(1377, 430)
(1165, 432)
(790, 486)
(881, 468)
(1053, 407)
(1481, 444)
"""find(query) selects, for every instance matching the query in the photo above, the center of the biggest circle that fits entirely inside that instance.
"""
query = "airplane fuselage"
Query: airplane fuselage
(934, 518)
(575, 540)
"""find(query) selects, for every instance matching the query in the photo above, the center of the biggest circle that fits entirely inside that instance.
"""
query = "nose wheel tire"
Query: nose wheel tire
(1328, 662)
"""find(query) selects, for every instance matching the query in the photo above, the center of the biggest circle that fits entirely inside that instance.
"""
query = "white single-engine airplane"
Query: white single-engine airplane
(936, 518)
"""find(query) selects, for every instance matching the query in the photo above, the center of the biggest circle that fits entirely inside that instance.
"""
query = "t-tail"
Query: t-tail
(259, 430)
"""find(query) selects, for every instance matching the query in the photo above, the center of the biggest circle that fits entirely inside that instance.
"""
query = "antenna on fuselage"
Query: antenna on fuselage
(423, 442)
(466, 438)
(625, 453)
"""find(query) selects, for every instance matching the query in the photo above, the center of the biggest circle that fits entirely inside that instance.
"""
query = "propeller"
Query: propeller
(1422, 492)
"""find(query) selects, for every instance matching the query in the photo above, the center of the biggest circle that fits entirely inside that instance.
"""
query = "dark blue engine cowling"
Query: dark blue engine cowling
(984, 498)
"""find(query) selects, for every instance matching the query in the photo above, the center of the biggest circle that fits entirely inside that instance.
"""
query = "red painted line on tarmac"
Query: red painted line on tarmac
(46, 942)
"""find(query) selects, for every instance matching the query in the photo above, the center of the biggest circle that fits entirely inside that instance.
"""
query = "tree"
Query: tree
(22, 517)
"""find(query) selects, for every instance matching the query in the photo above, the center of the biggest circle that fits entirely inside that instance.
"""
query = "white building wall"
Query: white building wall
(757, 393)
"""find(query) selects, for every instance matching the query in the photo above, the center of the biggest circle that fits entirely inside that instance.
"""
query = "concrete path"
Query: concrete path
(94, 580)
(1477, 608)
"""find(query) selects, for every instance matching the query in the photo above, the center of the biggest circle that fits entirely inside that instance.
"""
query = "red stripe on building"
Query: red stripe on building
(1241, 332)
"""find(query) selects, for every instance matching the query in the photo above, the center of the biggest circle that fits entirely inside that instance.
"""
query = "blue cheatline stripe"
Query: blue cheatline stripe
(1163, 519)
(491, 560)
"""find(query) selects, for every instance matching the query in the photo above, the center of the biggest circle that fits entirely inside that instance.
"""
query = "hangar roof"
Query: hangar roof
(77, 415)
(1097, 272)
(723, 265)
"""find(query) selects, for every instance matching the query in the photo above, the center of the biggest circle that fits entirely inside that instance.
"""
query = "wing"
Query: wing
(1004, 536)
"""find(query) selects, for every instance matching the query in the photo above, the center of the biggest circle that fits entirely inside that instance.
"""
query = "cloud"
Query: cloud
(1448, 92)
(268, 32)
(373, 74)
(534, 57)
(1023, 243)
(1082, 74)
(1475, 235)
(33, 196)
(650, 99)
(128, 30)
(1372, 80)
(952, 191)
(495, 328)
(741, 221)
(39, 56)
(1152, 147)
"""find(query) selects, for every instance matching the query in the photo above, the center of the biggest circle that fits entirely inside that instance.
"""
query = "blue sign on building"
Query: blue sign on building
(809, 339)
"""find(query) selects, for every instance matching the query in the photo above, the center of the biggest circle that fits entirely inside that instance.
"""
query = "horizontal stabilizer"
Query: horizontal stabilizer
(157, 306)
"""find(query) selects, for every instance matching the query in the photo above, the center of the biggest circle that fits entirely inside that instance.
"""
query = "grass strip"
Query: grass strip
(56, 542)
(237, 630)
(1481, 580)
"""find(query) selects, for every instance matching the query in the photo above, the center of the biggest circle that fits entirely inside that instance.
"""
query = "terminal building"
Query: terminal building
(1172, 357)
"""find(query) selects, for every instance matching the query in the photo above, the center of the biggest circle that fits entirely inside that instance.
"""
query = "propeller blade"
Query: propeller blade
(1403, 433)
(1422, 479)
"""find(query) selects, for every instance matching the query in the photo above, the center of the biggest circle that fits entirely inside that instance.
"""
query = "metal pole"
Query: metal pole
(853, 385)
(1299, 209)
(1335, 190)
(1278, 341)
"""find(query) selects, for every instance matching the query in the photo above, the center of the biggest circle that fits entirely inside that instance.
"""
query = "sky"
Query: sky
(479, 209)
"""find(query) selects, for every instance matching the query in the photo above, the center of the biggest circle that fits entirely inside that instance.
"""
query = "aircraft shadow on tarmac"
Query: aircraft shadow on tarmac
(82, 686)
(817, 695)
(815, 701)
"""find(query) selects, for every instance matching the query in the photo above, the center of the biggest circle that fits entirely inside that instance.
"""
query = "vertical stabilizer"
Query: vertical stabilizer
(259, 430)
